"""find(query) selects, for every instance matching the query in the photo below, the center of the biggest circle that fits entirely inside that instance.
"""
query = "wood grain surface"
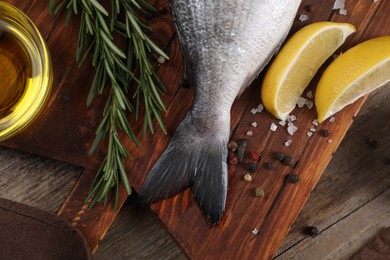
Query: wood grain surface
(66, 129)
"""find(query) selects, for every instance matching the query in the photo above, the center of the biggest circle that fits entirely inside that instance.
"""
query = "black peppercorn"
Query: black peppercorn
(324, 133)
(280, 156)
(252, 167)
(292, 178)
(288, 160)
(270, 166)
(311, 231)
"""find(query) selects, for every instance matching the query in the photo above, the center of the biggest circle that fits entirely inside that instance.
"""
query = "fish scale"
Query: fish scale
(225, 45)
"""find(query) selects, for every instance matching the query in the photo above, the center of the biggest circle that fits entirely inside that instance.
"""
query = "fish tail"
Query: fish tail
(195, 159)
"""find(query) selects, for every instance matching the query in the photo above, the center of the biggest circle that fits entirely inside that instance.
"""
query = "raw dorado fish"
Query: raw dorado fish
(225, 45)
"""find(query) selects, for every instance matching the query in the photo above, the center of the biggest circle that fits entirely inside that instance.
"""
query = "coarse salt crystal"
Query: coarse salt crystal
(282, 123)
(343, 11)
(312, 129)
(375, 1)
(291, 129)
(315, 122)
(301, 102)
(249, 133)
(254, 124)
(260, 108)
(291, 118)
(309, 94)
(339, 4)
(253, 110)
(255, 231)
(332, 119)
(273, 127)
(288, 143)
(303, 17)
(310, 104)
(309, 134)
(330, 141)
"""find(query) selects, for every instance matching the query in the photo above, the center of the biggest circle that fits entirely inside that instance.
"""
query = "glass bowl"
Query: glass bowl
(25, 82)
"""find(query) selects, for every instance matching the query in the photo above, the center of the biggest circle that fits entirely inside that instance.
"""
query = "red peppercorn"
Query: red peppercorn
(309, 8)
(255, 155)
(233, 159)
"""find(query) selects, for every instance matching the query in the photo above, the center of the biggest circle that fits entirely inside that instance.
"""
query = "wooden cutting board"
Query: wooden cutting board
(66, 129)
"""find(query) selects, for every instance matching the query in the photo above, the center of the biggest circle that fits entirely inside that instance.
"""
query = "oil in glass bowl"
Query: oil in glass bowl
(25, 71)
(15, 70)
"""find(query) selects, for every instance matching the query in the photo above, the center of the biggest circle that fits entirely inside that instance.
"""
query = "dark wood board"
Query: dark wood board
(66, 130)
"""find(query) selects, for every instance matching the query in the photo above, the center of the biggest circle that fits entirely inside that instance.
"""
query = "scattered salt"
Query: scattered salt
(303, 17)
(273, 127)
(312, 129)
(254, 124)
(301, 102)
(253, 110)
(343, 11)
(249, 133)
(315, 122)
(339, 4)
(291, 118)
(330, 141)
(375, 1)
(309, 94)
(260, 108)
(332, 119)
(309, 134)
(310, 104)
(291, 129)
(255, 231)
(282, 123)
(288, 143)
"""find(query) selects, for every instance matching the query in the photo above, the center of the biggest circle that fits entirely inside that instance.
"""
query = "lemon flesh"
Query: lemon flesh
(297, 63)
(352, 75)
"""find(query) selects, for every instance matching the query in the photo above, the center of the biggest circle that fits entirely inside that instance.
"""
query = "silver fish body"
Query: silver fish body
(225, 45)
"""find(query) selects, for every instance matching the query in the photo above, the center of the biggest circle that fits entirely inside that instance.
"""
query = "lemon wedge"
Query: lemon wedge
(297, 63)
(352, 75)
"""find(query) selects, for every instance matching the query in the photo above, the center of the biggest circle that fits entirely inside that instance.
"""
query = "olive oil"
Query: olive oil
(15, 70)
(25, 71)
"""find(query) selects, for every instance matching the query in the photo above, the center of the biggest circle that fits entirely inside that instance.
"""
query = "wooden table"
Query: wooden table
(349, 205)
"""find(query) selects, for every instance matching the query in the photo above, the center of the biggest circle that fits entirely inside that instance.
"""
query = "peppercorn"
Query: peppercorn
(288, 160)
(324, 133)
(233, 146)
(162, 10)
(270, 166)
(259, 192)
(292, 178)
(233, 159)
(311, 231)
(309, 8)
(255, 155)
(280, 156)
(252, 167)
(248, 177)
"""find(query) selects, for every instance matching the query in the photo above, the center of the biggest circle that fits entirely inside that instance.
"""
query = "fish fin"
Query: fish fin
(192, 159)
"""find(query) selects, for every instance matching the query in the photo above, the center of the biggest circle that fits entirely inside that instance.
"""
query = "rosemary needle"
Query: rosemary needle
(114, 71)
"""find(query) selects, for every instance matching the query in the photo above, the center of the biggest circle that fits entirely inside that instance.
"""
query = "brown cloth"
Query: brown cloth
(31, 233)
(377, 249)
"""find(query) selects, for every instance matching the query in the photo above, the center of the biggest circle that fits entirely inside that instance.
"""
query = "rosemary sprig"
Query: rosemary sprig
(115, 69)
